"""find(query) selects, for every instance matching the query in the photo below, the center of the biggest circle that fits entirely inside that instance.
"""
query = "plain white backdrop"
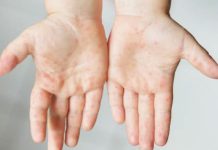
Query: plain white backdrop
(195, 109)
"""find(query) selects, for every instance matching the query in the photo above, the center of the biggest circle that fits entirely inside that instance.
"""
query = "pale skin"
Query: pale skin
(146, 46)
(69, 49)
(70, 54)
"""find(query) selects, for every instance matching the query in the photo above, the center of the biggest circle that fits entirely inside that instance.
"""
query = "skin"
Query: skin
(146, 46)
(70, 53)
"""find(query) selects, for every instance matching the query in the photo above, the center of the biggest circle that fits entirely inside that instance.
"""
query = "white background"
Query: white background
(195, 110)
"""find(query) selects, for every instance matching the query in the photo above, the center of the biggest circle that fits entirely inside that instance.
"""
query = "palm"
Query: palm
(144, 54)
(71, 58)
(151, 52)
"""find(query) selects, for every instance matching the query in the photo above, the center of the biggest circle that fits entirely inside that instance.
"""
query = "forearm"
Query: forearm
(142, 7)
(80, 8)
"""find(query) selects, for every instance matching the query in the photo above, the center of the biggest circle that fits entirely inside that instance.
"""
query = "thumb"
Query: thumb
(199, 57)
(15, 53)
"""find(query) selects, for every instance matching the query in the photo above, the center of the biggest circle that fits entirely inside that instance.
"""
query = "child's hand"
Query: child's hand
(144, 55)
(71, 59)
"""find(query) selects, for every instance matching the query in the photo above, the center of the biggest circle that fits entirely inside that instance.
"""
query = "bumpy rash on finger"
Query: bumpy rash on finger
(131, 113)
(199, 57)
(116, 101)
(163, 106)
(92, 106)
(15, 53)
(146, 121)
(74, 120)
(56, 124)
(40, 102)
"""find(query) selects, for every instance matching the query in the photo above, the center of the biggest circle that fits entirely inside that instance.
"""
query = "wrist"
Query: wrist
(142, 7)
(75, 8)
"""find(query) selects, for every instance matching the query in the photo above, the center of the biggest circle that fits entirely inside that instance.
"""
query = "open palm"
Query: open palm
(144, 55)
(71, 61)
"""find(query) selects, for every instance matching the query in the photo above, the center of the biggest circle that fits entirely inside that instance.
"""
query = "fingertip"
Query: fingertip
(87, 126)
(213, 72)
(118, 115)
(71, 142)
(200, 58)
(160, 143)
(71, 139)
(133, 140)
(38, 137)
(38, 131)
(161, 140)
(7, 63)
(208, 67)
(119, 120)
(15, 53)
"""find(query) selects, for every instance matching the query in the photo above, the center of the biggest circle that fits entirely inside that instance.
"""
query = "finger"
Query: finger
(199, 57)
(116, 101)
(74, 120)
(131, 113)
(146, 121)
(56, 126)
(15, 53)
(40, 102)
(163, 106)
(92, 105)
